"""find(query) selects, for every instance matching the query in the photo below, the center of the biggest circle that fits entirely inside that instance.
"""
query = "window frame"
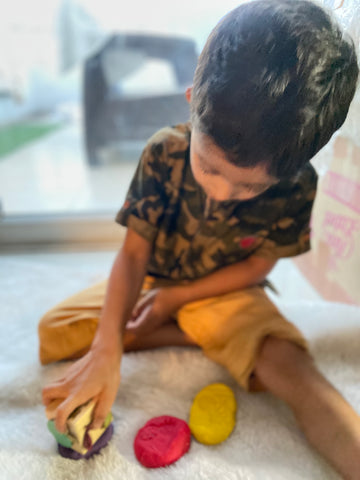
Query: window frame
(54, 231)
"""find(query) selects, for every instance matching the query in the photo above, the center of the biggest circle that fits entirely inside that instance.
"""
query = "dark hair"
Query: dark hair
(273, 83)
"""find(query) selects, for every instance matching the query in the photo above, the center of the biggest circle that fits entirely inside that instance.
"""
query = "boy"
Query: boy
(211, 208)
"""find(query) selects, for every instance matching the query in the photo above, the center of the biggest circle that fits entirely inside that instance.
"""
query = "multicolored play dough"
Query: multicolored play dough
(212, 414)
(162, 441)
(101, 443)
(78, 437)
(61, 438)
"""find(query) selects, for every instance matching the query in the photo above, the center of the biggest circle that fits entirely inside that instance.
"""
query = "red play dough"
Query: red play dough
(162, 441)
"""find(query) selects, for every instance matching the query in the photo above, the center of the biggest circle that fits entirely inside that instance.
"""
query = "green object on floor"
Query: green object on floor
(61, 438)
(12, 137)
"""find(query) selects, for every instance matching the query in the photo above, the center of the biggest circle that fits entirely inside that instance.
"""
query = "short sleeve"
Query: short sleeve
(289, 235)
(146, 198)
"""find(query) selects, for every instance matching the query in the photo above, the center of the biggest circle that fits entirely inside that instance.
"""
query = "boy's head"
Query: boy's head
(273, 83)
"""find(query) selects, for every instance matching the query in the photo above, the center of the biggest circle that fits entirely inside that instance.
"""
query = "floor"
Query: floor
(266, 442)
(94, 266)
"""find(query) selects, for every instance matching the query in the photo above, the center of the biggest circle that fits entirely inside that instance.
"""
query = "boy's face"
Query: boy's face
(220, 179)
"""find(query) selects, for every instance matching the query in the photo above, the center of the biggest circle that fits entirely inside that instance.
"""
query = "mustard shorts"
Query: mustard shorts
(229, 328)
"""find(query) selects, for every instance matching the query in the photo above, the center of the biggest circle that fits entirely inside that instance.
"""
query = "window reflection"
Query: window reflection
(82, 87)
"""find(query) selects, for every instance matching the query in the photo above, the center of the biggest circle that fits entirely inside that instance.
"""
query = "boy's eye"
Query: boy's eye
(256, 189)
(251, 188)
(204, 170)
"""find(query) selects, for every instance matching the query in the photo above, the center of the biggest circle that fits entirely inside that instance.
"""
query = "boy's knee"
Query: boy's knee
(45, 327)
(65, 337)
(281, 361)
(46, 319)
(48, 338)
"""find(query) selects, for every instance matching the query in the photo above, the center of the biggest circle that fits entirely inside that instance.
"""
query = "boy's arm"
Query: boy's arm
(289, 235)
(159, 305)
(247, 273)
(97, 374)
(123, 289)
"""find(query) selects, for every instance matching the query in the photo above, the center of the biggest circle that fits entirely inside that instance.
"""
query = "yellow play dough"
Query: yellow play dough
(212, 414)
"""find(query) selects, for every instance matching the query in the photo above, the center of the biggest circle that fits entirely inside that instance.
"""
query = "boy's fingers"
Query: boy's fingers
(142, 303)
(61, 388)
(141, 324)
(51, 408)
(101, 410)
(147, 322)
(137, 309)
(50, 393)
(59, 380)
(65, 409)
(56, 383)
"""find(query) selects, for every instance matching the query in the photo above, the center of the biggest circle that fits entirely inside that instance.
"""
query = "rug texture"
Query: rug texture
(265, 444)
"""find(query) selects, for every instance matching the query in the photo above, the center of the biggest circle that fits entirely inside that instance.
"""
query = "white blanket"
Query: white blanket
(266, 443)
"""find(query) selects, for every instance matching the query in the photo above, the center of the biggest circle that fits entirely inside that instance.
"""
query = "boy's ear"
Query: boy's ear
(188, 94)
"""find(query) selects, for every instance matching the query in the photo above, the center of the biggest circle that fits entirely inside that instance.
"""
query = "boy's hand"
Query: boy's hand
(152, 311)
(95, 376)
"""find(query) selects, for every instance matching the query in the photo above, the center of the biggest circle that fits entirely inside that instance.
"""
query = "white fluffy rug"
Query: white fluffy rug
(266, 443)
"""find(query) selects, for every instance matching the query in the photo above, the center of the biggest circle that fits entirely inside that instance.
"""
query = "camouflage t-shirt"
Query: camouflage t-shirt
(166, 206)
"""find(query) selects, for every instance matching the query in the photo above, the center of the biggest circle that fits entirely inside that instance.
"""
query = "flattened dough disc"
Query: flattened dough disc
(212, 414)
(162, 441)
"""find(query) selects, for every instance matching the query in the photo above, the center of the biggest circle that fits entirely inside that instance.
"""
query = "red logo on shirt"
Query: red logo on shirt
(247, 242)
(126, 204)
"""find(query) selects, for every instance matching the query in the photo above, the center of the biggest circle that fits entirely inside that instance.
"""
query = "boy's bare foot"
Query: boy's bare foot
(328, 421)
(167, 335)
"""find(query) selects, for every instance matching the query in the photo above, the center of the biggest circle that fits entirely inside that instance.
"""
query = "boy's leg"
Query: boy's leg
(230, 329)
(168, 335)
(328, 421)
(244, 332)
(67, 330)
